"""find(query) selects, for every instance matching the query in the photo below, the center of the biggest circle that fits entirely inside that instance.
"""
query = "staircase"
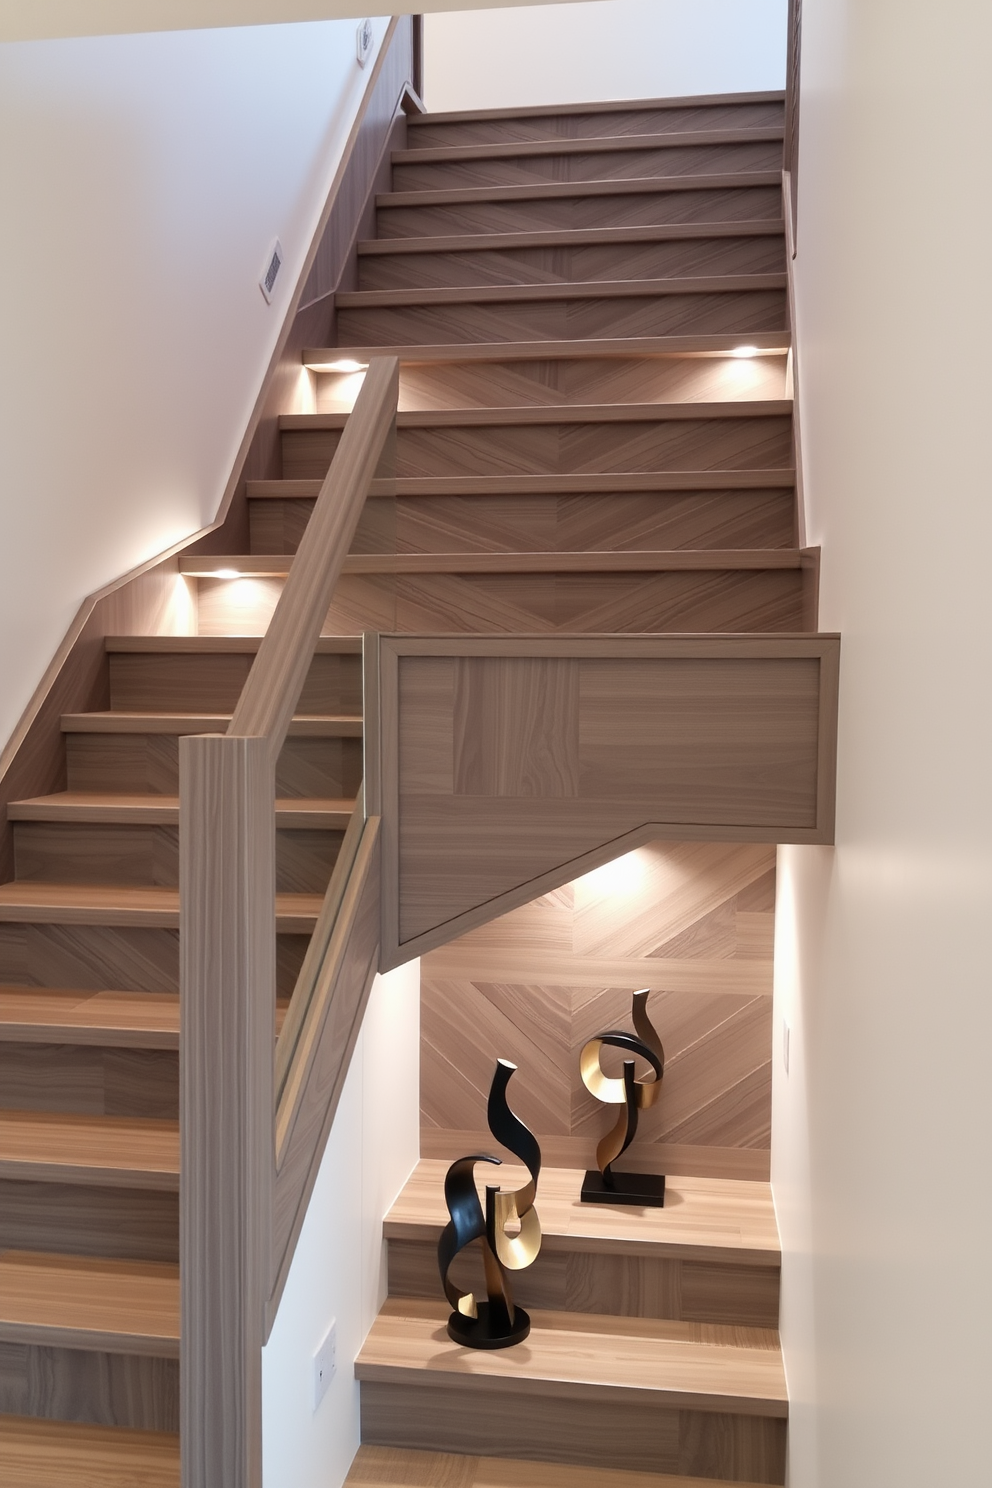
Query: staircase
(578, 450)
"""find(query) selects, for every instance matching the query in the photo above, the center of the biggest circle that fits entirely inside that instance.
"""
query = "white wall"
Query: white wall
(338, 1272)
(142, 180)
(881, 1132)
(602, 49)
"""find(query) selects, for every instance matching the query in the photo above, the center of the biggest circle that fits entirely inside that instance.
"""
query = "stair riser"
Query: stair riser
(325, 769)
(126, 1224)
(103, 957)
(592, 165)
(737, 313)
(614, 1285)
(565, 449)
(79, 1385)
(628, 1429)
(690, 257)
(547, 524)
(90, 1080)
(638, 209)
(596, 125)
(164, 682)
(82, 853)
(553, 603)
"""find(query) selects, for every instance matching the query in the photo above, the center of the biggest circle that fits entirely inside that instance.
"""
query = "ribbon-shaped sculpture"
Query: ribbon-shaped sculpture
(606, 1186)
(508, 1228)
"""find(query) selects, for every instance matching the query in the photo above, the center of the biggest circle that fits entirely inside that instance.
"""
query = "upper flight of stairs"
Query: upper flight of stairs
(576, 452)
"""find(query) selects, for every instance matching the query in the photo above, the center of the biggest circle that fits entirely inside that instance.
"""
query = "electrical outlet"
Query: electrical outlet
(364, 42)
(325, 1365)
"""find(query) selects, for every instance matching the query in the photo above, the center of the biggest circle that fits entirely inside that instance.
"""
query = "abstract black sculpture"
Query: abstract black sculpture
(606, 1186)
(498, 1322)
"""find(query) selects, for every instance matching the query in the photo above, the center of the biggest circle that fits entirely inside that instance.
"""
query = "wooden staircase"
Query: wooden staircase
(578, 450)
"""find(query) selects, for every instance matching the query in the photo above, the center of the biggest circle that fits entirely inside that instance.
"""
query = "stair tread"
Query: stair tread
(401, 1467)
(702, 1366)
(544, 413)
(552, 190)
(782, 477)
(618, 106)
(593, 145)
(40, 1453)
(705, 1219)
(304, 725)
(621, 560)
(222, 645)
(84, 806)
(694, 344)
(129, 1152)
(144, 1020)
(569, 237)
(88, 1302)
(148, 908)
(595, 289)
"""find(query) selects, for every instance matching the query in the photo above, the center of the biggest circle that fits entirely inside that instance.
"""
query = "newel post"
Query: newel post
(227, 1040)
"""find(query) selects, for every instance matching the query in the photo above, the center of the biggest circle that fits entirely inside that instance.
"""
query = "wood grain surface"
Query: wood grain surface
(392, 1467)
(49, 1454)
(86, 1302)
(94, 1150)
(145, 1020)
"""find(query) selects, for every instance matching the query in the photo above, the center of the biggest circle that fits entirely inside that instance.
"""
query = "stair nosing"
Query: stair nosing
(110, 1034)
(104, 1130)
(123, 721)
(611, 106)
(619, 560)
(599, 144)
(607, 348)
(151, 810)
(557, 191)
(122, 908)
(662, 482)
(219, 645)
(565, 237)
(595, 289)
(544, 413)
(75, 1334)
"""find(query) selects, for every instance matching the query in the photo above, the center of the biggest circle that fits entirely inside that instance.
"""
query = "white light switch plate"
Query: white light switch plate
(325, 1365)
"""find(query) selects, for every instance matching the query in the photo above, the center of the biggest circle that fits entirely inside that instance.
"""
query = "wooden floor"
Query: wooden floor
(63, 1454)
(389, 1467)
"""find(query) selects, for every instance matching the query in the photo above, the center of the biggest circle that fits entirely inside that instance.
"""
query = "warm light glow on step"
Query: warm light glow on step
(345, 366)
(746, 351)
(622, 876)
(224, 573)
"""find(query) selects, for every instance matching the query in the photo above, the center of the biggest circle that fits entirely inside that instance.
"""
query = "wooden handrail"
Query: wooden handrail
(276, 679)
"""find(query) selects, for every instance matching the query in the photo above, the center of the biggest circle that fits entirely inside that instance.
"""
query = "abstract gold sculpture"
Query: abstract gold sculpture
(508, 1228)
(606, 1186)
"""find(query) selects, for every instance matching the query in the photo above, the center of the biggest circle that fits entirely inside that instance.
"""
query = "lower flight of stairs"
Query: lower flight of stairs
(654, 1346)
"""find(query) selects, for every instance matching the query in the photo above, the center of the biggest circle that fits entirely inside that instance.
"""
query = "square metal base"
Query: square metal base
(646, 1190)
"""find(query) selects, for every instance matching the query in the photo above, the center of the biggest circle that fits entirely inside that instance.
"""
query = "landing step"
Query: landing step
(675, 560)
(621, 483)
(396, 1467)
(85, 1302)
(107, 1151)
(599, 289)
(701, 344)
(126, 1020)
(548, 191)
(565, 237)
(39, 1453)
(222, 645)
(594, 145)
(306, 725)
(81, 806)
(514, 416)
(146, 908)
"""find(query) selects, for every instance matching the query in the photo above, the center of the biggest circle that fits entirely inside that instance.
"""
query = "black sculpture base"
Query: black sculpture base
(644, 1189)
(480, 1333)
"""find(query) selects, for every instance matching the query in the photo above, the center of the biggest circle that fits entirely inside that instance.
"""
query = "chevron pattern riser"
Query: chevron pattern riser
(550, 603)
(614, 1285)
(738, 312)
(688, 160)
(686, 257)
(81, 1385)
(622, 1431)
(563, 449)
(121, 959)
(57, 852)
(113, 1222)
(645, 209)
(438, 134)
(92, 1081)
(140, 764)
(547, 524)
